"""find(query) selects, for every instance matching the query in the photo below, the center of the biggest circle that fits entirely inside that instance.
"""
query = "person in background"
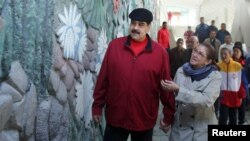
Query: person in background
(176, 57)
(163, 36)
(243, 46)
(194, 42)
(222, 33)
(214, 42)
(202, 30)
(188, 34)
(232, 91)
(238, 56)
(247, 67)
(228, 44)
(128, 84)
(196, 87)
(212, 27)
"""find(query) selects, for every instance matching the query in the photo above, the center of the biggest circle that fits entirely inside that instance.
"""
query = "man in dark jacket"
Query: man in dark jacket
(176, 57)
(202, 30)
(212, 27)
(128, 84)
(222, 33)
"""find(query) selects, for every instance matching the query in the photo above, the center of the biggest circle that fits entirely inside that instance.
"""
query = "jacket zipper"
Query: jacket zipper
(134, 58)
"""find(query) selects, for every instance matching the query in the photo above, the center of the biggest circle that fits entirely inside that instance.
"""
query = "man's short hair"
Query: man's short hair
(179, 39)
(225, 49)
(213, 31)
(194, 38)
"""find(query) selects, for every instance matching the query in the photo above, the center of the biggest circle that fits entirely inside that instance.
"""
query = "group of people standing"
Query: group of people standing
(138, 72)
(196, 85)
(230, 106)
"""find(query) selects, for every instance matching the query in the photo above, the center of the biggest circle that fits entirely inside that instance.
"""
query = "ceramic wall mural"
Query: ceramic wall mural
(102, 47)
(84, 100)
(72, 35)
(51, 53)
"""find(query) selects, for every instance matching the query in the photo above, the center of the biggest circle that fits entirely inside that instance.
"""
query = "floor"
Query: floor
(161, 136)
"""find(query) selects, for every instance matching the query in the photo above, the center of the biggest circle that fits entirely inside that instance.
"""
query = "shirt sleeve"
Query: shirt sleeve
(159, 37)
(167, 98)
(244, 83)
(101, 86)
(204, 98)
(242, 91)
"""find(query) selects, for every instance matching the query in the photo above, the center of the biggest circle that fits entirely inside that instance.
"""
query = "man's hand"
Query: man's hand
(164, 127)
(240, 101)
(97, 119)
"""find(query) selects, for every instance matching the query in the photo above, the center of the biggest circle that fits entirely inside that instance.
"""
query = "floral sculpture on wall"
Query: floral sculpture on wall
(102, 47)
(72, 35)
(84, 99)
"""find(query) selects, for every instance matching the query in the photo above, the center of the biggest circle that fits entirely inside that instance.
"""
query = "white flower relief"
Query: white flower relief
(102, 47)
(82, 45)
(120, 32)
(84, 100)
(70, 33)
(120, 27)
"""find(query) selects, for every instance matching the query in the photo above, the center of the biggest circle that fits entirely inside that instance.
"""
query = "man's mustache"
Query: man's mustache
(135, 31)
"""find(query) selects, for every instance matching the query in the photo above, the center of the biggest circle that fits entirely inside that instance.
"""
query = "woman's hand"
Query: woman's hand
(170, 86)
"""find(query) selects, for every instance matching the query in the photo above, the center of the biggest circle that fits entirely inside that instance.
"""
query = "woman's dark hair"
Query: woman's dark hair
(239, 46)
(241, 50)
(238, 43)
(211, 54)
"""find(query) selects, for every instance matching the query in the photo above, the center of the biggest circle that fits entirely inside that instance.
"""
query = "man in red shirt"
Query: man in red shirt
(163, 36)
(128, 84)
(187, 36)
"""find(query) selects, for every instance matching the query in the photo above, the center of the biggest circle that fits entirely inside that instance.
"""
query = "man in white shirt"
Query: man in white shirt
(228, 44)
